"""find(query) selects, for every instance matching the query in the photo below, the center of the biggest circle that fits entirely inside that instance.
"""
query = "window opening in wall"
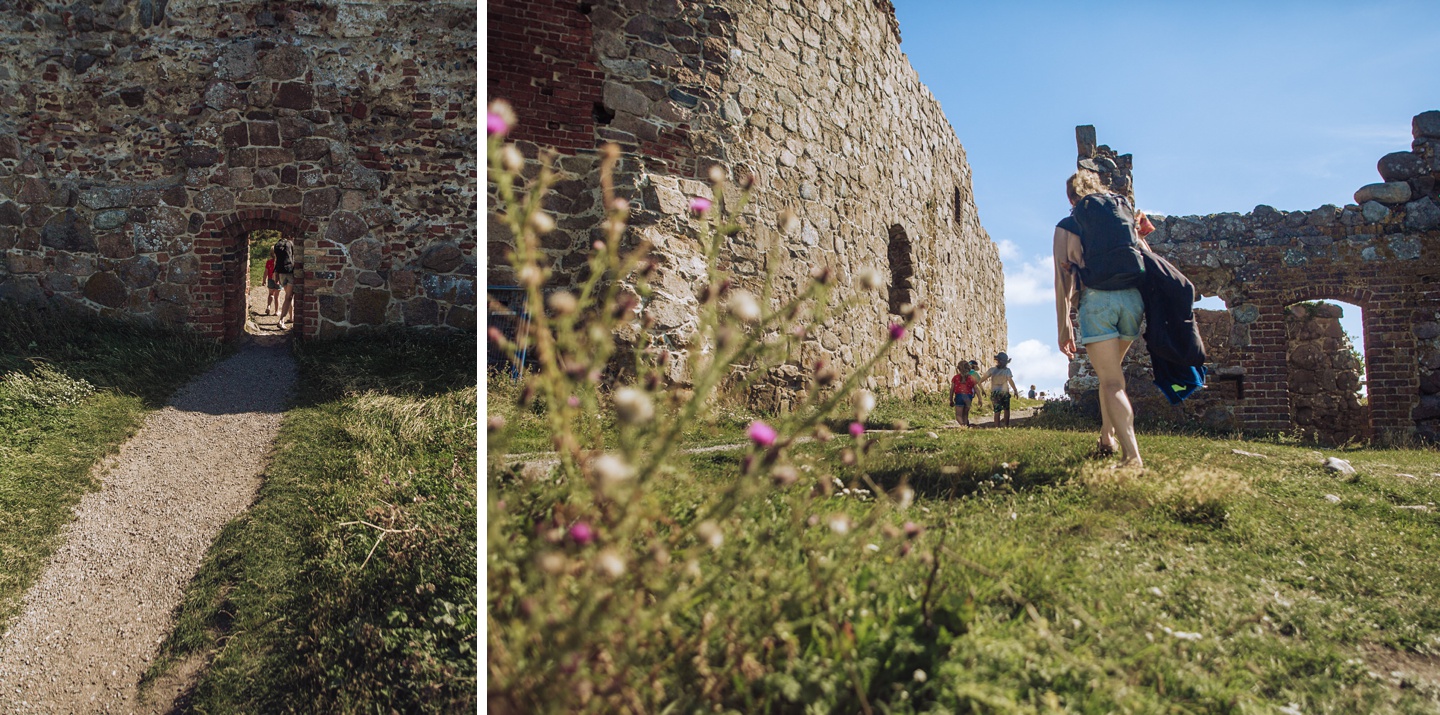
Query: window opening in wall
(902, 271)
(602, 113)
(959, 202)
(267, 291)
(1325, 364)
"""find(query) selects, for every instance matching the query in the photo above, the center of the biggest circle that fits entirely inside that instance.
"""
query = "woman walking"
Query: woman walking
(1097, 253)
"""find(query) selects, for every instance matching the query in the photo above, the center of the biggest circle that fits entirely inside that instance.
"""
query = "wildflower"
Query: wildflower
(551, 562)
(562, 302)
(784, 475)
(499, 117)
(912, 529)
(612, 469)
(633, 406)
(904, 497)
(581, 533)
(825, 374)
(529, 276)
(864, 403)
(717, 174)
(823, 434)
(744, 306)
(821, 274)
(871, 547)
(789, 222)
(897, 331)
(856, 429)
(573, 402)
(699, 205)
(709, 532)
(920, 676)
(495, 424)
(610, 563)
(620, 206)
(747, 181)
(870, 279)
(761, 434)
(542, 222)
(839, 523)
(511, 159)
(847, 457)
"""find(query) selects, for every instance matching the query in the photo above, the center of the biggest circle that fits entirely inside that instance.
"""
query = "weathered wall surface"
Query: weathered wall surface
(140, 142)
(1381, 253)
(814, 99)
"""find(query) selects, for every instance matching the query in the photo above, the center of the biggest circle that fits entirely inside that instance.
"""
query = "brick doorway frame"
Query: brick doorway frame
(234, 261)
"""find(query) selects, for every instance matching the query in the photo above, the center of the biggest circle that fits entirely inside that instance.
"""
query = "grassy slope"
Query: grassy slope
(286, 603)
(1288, 591)
(46, 453)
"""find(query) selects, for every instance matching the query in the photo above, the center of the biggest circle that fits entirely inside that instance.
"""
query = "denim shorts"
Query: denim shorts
(960, 399)
(1110, 314)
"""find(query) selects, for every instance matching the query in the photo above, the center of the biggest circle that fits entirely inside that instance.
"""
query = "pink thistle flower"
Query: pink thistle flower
(581, 533)
(897, 331)
(761, 433)
(856, 429)
(912, 529)
(699, 205)
(496, 124)
(573, 401)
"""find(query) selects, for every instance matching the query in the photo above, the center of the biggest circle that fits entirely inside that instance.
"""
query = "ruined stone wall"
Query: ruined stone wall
(140, 143)
(1381, 253)
(815, 100)
(1323, 378)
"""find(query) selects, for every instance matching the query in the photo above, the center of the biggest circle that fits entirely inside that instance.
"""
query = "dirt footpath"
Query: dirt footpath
(93, 622)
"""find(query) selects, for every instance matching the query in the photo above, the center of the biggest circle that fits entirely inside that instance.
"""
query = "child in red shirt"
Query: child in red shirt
(962, 392)
(274, 300)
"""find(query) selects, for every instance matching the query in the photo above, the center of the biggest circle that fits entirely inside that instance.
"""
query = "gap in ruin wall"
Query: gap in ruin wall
(1381, 253)
(815, 100)
(140, 142)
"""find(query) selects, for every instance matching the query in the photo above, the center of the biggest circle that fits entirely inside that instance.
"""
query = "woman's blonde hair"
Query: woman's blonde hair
(1081, 184)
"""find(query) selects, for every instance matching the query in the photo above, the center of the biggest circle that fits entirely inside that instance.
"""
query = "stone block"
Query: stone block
(442, 258)
(16, 262)
(367, 306)
(33, 190)
(295, 95)
(236, 135)
(345, 227)
(264, 134)
(1374, 211)
(332, 307)
(68, 232)
(75, 264)
(224, 95)
(1401, 166)
(10, 214)
(216, 199)
(621, 97)
(1393, 192)
(312, 149)
(420, 311)
(1426, 125)
(283, 62)
(463, 318)
(183, 270)
(367, 254)
(139, 272)
(320, 202)
(237, 62)
(106, 289)
(370, 279)
(1422, 215)
(175, 196)
(115, 245)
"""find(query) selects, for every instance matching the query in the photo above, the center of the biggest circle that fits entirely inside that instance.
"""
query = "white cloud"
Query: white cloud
(1035, 363)
(1032, 284)
(1007, 249)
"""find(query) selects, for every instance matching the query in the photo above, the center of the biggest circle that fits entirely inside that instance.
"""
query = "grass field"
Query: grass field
(72, 389)
(1039, 581)
(350, 585)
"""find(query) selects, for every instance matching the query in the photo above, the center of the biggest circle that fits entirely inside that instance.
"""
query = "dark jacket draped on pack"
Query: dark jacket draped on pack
(1177, 353)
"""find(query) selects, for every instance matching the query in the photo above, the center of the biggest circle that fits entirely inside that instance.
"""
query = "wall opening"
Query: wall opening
(902, 269)
(959, 202)
(265, 295)
(1325, 367)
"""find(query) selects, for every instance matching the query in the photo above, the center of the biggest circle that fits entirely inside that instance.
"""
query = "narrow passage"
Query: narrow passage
(91, 624)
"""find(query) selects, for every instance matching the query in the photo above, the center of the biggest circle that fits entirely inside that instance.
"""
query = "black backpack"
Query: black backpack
(284, 256)
(1112, 252)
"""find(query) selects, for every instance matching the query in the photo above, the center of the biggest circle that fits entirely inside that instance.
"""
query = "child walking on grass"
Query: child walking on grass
(1002, 386)
(962, 392)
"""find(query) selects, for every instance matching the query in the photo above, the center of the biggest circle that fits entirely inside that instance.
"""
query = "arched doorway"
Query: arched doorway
(233, 269)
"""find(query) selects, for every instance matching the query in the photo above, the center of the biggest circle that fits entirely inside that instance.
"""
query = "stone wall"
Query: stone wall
(813, 99)
(141, 142)
(1381, 253)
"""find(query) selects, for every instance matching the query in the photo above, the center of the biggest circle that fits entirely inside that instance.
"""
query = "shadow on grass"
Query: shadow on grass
(389, 361)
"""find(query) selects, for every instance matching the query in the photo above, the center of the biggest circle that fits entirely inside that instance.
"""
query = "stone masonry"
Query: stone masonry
(1381, 253)
(141, 142)
(812, 98)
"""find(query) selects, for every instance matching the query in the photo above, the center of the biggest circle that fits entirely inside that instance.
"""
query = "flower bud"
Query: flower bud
(717, 174)
(551, 562)
(784, 475)
(709, 533)
(822, 274)
(633, 406)
(839, 523)
(562, 302)
(511, 159)
(610, 151)
(789, 222)
(530, 276)
(748, 181)
(823, 434)
(744, 306)
(542, 222)
(610, 563)
(864, 404)
(870, 279)
(495, 424)
(612, 470)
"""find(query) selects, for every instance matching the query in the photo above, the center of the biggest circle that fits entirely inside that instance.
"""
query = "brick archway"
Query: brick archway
(224, 261)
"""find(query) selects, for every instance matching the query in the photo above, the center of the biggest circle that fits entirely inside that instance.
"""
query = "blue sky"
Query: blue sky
(1224, 105)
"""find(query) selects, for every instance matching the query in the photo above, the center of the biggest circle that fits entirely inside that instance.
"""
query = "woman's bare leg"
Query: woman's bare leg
(1115, 408)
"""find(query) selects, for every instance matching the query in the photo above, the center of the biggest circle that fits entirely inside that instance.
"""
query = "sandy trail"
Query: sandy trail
(92, 623)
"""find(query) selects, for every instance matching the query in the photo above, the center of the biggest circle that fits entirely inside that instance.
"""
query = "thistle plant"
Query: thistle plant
(609, 574)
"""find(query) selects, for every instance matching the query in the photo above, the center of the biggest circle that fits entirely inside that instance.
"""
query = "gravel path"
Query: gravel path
(92, 623)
